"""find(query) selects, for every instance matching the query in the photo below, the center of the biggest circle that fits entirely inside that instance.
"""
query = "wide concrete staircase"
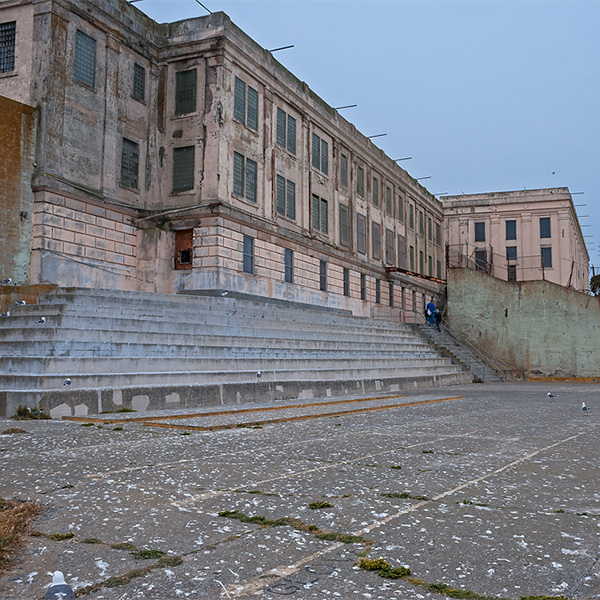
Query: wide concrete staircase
(101, 350)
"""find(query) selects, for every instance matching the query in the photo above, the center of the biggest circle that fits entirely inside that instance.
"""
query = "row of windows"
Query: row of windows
(482, 264)
(248, 266)
(511, 229)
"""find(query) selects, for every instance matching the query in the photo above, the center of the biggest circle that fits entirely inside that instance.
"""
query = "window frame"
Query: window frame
(362, 234)
(319, 154)
(245, 104)
(84, 59)
(323, 275)
(319, 214)
(138, 83)
(479, 231)
(177, 165)
(186, 92)
(346, 281)
(345, 228)
(285, 132)
(545, 228)
(285, 197)
(248, 255)
(249, 178)
(8, 52)
(376, 240)
(509, 224)
(288, 262)
(130, 167)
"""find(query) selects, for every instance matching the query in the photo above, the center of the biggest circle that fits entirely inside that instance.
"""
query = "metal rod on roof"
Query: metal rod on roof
(419, 178)
(347, 106)
(204, 7)
(405, 158)
(370, 137)
(281, 48)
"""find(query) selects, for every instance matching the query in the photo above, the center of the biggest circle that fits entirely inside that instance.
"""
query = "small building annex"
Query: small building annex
(184, 158)
(524, 235)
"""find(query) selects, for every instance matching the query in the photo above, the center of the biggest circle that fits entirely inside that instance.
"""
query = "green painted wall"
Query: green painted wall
(560, 327)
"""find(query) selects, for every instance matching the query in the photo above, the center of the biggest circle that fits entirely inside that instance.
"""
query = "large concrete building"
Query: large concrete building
(184, 158)
(527, 235)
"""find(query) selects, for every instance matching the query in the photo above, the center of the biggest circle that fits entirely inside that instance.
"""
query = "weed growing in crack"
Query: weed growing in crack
(320, 504)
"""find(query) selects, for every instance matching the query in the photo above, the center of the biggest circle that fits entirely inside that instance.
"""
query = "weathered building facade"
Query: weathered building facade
(184, 158)
(526, 235)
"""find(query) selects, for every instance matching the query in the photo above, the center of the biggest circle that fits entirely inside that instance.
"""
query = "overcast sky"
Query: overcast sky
(484, 95)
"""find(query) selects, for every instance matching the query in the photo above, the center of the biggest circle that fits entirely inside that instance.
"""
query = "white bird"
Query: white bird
(7, 280)
(551, 395)
(584, 407)
(6, 314)
(224, 293)
(258, 374)
(59, 589)
(67, 382)
(41, 320)
(21, 302)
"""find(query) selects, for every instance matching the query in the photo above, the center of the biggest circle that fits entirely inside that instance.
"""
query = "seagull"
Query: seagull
(6, 314)
(584, 407)
(67, 382)
(224, 293)
(7, 280)
(258, 374)
(21, 302)
(59, 589)
(551, 395)
(41, 320)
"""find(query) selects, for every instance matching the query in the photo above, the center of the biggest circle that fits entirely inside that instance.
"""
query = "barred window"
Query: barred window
(286, 131)
(183, 169)
(344, 170)
(421, 262)
(411, 216)
(480, 260)
(361, 234)
(320, 217)
(378, 291)
(376, 240)
(139, 82)
(388, 201)
(546, 257)
(185, 92)
(412, 258)
(84, 69)
(390, 247)
(244, 177)
(545, 227)
(430, 266)
(248, 258)
(346, 280)
(320, 154)
(323, 275)
(429, 229)
(8, 38)
(375, 191)
(345, 234)
(421, 225)
(288, 259)
(363, 286)
(245, 109)
(360, 182)
(480, 232)
(438, 234)
(511, 253)
(286, 197)
(511, 229)
(400, 208)
(391, 294)
(130, 163)
(401, 252)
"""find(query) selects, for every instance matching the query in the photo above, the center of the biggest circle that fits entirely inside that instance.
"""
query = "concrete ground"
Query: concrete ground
(493, 490)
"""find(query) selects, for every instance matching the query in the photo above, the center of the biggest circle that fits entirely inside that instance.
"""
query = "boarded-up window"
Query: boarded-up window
(130, 162)
(184, 248)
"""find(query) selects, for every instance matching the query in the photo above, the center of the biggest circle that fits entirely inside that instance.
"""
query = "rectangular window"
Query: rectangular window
(390, 247)
(244, 177)
(248, 260)
(511, 230)
(378, 291)
(286, 131)
(545, 227)
(84, 69)
(8, 37)
(480, 260)
(511, 253)
(391, 294)
(429, 229)
(438, 234)
(320, 217)
(286, 197)
(376, 240)
(480, 231)
(412, 258)
(245, 104)
(546, 257)
(430, 266)
(411, 216)
(323, 275)
(363, 286)
(360, 182)
(344, 170)
(375, 191)
(184, 248)
(361, 234)
(138, 90)
(400, 208)
(345, 233)
(288, 258)
(185, 92)
(512, 272)
(130, 163)
(183, 169)
(401, 252)
(421, 262)
(346, 278)
(388, 201)
(421, 224)
(320, 154)
(438, 269)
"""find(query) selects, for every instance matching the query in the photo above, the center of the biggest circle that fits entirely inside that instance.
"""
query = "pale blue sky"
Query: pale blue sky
(485, 95)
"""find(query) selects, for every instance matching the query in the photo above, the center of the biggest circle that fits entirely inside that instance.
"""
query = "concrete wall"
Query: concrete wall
(17, 147)
(560, 327)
